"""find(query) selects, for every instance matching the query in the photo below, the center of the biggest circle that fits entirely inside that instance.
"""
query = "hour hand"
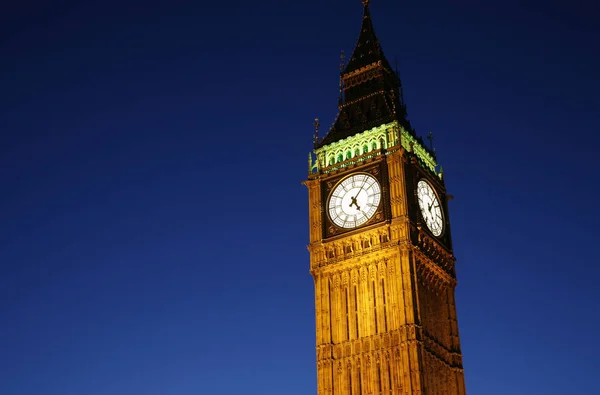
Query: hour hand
(353, 202)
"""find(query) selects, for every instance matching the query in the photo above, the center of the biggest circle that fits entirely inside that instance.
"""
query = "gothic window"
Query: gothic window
(356, 311)
(359, 382)
(333, 380)
(347, 315)
(330, 253)
(348, 154)
(357, 152)
(350, 379)
(389, 374)
(365, 149)
(331, 160)
(373, 146)
(330, 308)
(383, 238)
(375, 307)
(340, 158)
(383, 305)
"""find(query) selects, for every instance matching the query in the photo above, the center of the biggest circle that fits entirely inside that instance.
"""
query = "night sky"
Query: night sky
(154, 226)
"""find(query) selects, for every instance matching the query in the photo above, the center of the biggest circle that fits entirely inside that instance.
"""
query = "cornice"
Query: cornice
(407, 334)
(433, 248)
(388, 343)
(334, 251)
(355, 163)
(391, 133)
(363, 69)
(451, 359)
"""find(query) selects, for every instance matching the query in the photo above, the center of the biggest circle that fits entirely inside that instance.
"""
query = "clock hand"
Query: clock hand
(361, 187)
(428, 213)
(356, 196)
(363, 213)
(429, 206)
(354, 202)
(432, 209)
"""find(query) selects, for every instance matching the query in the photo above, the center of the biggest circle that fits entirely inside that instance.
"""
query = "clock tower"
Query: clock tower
(380, 243)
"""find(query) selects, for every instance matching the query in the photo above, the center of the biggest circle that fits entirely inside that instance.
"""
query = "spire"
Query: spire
(367, 50)
(370, 89)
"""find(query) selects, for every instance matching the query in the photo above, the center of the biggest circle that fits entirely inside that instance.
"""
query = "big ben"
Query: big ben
(380, 243)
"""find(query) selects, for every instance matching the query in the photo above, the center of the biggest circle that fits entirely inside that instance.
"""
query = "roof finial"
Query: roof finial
(366, 2)
(430, 138)
(341, 93)
(316, 135)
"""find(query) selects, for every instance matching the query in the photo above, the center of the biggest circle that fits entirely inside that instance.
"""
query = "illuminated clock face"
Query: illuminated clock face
(354, 200)
(430, 208)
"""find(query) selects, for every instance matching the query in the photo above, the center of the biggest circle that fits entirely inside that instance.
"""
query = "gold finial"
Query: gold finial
(316, 135)
(366, 2)
(430, 138)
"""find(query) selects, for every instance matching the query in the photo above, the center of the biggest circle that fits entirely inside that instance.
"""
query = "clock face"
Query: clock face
(354, 200)
(430, 208)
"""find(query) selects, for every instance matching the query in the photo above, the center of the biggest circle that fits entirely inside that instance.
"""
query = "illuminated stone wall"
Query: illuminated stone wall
(384, 303)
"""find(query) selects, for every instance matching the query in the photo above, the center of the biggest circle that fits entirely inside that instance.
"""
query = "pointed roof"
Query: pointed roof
(367, 49)
(371, 90)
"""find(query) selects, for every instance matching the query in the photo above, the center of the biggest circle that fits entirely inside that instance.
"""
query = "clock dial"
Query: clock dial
(354, 200)
(431, 209)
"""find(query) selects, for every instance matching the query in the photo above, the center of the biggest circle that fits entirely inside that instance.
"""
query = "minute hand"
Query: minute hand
(356, 196)
(361, 187)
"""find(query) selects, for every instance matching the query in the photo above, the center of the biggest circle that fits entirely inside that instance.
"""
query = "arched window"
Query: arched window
(365, 149)
(340, 158)
(331, 160)
(357, 152)
(348, 154)
(374, 146)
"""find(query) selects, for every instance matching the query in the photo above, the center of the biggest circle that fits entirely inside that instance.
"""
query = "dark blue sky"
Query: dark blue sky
(153, 225)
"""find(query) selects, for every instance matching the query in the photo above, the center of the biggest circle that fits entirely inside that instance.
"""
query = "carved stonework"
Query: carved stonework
(336, 282)
(316, 224)
(384, 291)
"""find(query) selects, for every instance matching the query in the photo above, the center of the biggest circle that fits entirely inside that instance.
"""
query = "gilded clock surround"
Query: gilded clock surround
(329, 227)
(354, 200)
(430, 207)
(386, 318)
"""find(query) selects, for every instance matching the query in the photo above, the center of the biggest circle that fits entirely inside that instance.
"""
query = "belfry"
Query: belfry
(380, 243)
